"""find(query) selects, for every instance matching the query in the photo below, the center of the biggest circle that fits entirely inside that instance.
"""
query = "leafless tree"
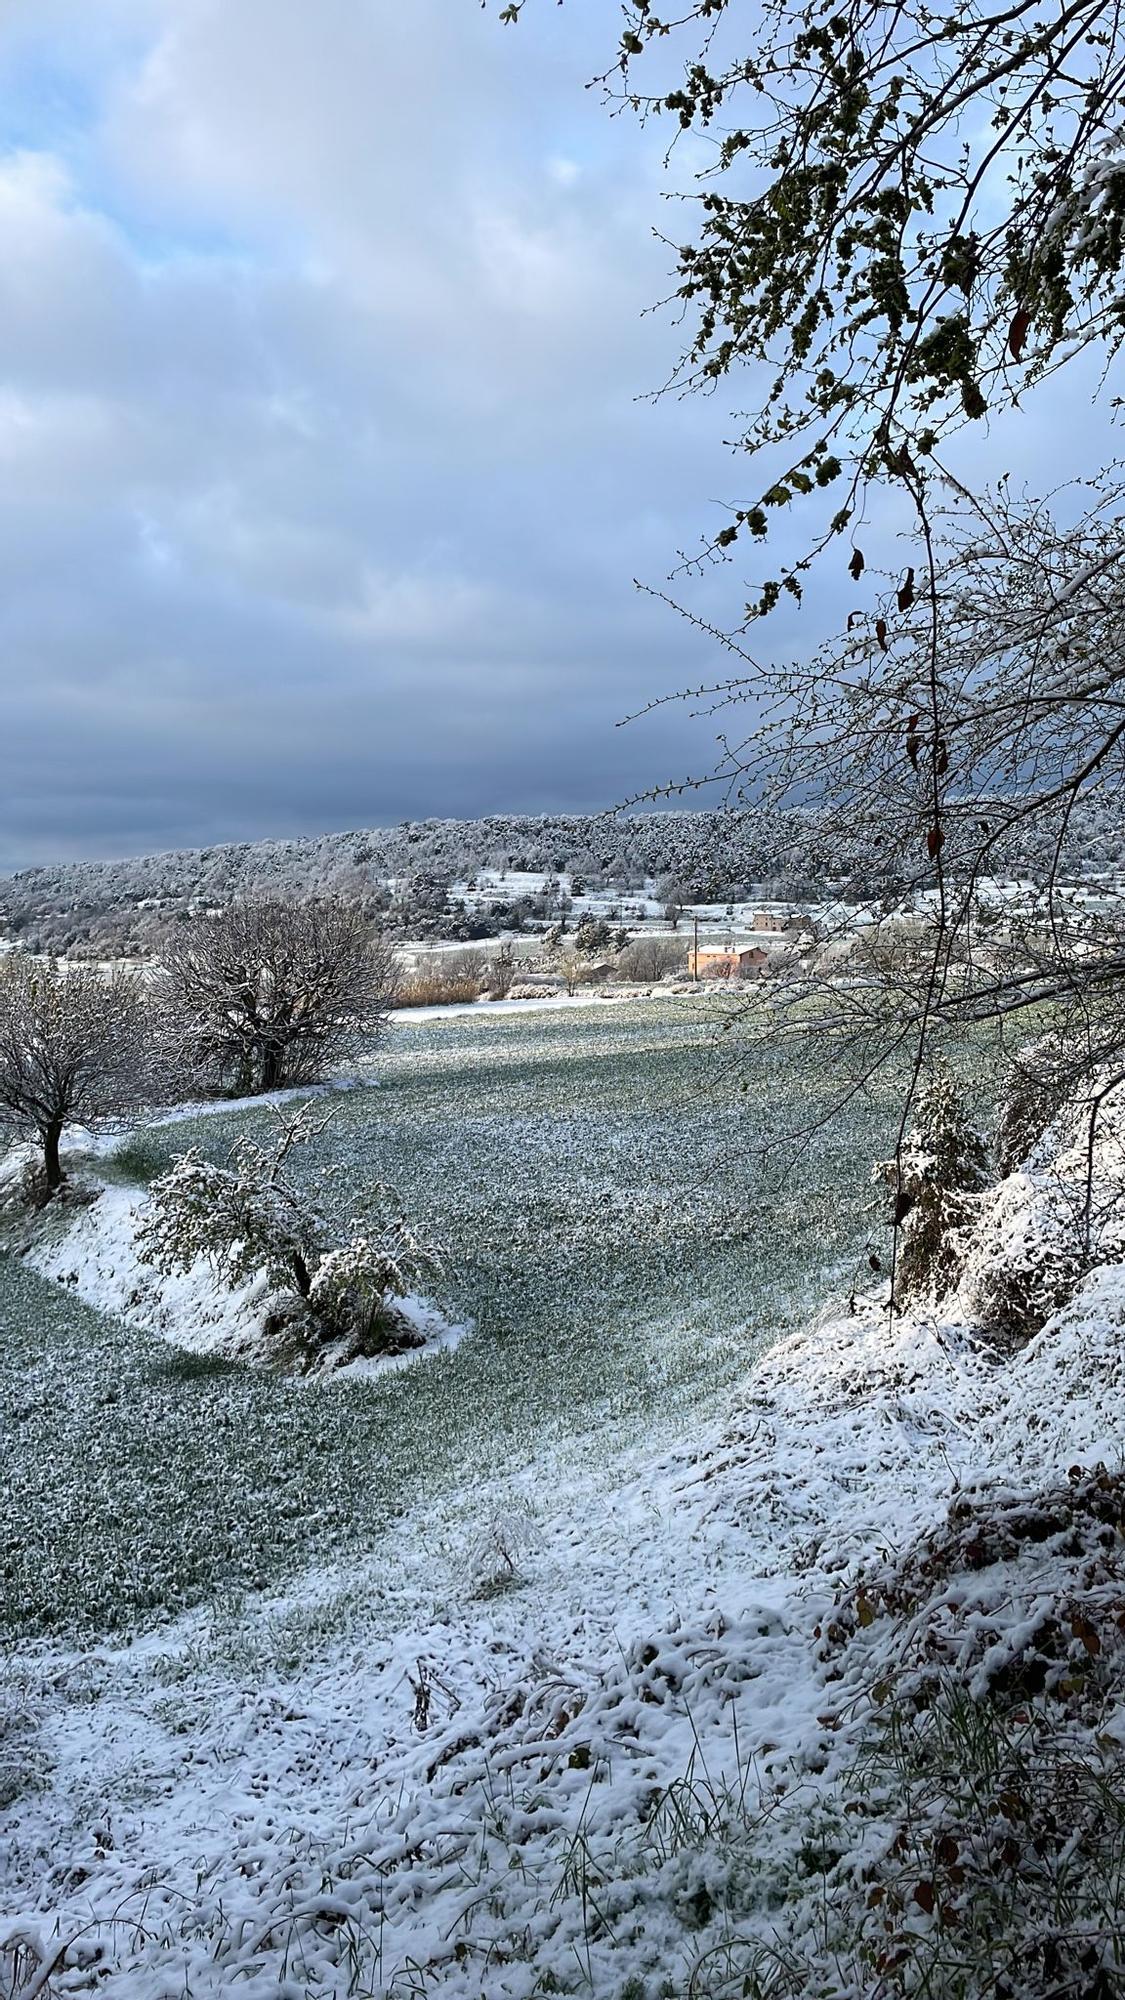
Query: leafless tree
(272, 993)
(572, 968)
(74, 1048)
(650, 958)
(962, 744)
(500, 973)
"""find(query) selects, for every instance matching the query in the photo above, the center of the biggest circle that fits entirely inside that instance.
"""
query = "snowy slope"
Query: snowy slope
(561, 1738)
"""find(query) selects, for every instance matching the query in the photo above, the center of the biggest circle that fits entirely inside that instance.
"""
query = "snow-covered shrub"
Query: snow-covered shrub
(1055, 1218)
(250, 1217)
(1037, 1087)
(1023, 1261)
(939, 1170)
(501, 1546)
(239, 1217)
(354, 1284)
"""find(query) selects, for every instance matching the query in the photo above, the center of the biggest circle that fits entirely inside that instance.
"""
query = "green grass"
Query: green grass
(609, 1234)
(137, 1159)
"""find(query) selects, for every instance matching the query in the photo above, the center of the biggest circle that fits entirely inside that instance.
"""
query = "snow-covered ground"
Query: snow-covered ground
(553, 1734)
(640, 1728)
(486, 1009)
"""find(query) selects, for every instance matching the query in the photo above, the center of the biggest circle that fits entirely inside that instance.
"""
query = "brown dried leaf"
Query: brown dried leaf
(1017, 332)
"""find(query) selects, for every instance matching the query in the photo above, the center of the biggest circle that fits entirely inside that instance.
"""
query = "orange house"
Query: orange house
(712, 962)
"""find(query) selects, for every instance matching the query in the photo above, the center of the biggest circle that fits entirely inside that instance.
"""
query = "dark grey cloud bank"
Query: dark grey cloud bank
(322, 474)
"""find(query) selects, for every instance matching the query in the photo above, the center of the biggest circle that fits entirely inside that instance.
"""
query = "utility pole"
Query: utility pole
(695, 952)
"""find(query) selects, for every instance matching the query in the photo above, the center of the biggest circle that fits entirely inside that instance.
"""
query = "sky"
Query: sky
(327, 453)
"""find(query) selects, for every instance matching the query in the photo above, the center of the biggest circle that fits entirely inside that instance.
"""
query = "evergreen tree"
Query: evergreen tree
(942, 1164)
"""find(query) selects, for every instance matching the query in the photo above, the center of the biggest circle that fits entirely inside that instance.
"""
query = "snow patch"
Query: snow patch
(96, 1255)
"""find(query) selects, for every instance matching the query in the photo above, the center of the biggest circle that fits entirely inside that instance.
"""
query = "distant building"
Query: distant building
(783, 923)
(711, 962)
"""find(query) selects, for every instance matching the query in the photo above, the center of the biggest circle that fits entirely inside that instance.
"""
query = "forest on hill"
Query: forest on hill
(405, 872)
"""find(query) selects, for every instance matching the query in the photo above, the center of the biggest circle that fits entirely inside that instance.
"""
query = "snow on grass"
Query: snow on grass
(268, 1099)
(486, 1008)
(96, 1255)
(494, 1691)
(607, 1243)
(633, 1757)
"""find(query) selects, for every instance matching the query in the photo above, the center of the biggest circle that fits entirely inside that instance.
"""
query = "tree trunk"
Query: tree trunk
(271, 1066)
(301, 1274)
(51, 1135)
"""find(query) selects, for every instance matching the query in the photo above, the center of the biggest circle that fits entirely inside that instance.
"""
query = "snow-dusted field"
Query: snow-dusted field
(608, 1244)
(553, 1665)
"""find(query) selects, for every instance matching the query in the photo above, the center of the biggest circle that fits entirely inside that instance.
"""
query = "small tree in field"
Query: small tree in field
(572, 969)
(250, 1216)
(73, 1049)
(271, 993)
(673, 899)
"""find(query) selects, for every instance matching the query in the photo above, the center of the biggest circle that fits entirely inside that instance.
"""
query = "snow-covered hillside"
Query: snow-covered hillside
(610, 862)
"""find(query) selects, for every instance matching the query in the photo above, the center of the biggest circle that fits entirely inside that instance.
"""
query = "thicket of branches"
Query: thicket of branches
(906, 216)
(951, 759)
(74, 1048)
(906, 219)
(270, 993)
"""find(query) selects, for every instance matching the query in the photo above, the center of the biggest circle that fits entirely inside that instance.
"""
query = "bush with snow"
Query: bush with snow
(249, 1217)
(1038, 1083)
(502, 1543)
(1023, 1260)
(1059, 1216)
(935, 1179)
(353, 1285)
